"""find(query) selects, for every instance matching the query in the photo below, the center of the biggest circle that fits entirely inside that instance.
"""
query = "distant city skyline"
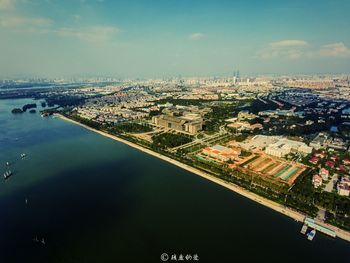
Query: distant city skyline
(143, 39)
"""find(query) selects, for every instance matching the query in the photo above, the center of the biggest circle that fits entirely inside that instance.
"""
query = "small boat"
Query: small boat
(7, 174)
(26, 201)
(303, 229)
(7, 164)
(311, 235)
(23, 155)
(36, 240)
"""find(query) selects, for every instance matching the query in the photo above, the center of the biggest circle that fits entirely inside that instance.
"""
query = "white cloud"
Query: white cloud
(89, 34)
(295, 49)
(289, 43)
(25, 24)
(196, 36)
(290, 49)
(334, 50)
(19, 21)
(6, 4)
(12, 21)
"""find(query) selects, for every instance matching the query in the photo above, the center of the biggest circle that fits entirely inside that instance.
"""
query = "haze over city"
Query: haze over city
(137, 39)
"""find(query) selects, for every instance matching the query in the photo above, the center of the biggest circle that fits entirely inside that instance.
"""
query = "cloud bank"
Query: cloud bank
(295, 49)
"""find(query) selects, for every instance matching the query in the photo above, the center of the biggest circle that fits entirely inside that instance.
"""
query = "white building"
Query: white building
(278, 149)
(324, 173)
(284, 146)
(320, 141)
(317, 180)
(343, 186)
(245, 115)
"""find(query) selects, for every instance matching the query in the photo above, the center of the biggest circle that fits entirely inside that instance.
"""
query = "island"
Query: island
(17, 110)
(29, 106)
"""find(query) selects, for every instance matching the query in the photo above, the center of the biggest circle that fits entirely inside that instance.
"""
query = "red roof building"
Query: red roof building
(330, 164)
(314, 160)
(343, 189)
(324, 173)
(317, 180)
(221, 153)
(346, 161)
(341, 168)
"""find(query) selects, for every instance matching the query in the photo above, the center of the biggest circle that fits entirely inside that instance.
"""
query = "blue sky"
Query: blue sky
(162, 38)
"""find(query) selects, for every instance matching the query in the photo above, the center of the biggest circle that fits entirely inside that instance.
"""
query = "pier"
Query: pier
(312, 224)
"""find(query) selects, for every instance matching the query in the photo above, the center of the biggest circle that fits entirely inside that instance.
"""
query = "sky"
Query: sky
(164, 38)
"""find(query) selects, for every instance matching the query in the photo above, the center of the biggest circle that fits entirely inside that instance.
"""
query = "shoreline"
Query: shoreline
(297, 216)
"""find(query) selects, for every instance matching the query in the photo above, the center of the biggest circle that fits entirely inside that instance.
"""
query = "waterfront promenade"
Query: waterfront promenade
(252, 196)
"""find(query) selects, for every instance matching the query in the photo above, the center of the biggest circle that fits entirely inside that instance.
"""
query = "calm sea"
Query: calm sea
(96, 200)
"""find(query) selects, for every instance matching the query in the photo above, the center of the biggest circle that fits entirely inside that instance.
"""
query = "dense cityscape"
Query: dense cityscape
(284, 138)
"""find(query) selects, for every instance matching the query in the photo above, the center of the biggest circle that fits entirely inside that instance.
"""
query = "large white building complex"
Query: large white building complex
(284, 146)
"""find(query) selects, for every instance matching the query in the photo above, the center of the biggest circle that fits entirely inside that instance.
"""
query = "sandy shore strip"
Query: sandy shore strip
(263, 201)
